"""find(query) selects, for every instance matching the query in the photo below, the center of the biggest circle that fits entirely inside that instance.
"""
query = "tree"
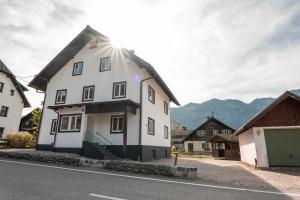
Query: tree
(35, 120)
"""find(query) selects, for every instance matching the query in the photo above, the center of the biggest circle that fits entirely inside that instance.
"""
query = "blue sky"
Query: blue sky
(202, 49)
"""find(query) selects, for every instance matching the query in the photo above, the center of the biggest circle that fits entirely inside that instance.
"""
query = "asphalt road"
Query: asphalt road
(31, 180)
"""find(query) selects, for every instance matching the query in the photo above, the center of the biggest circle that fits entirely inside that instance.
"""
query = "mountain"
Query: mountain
(230, 111)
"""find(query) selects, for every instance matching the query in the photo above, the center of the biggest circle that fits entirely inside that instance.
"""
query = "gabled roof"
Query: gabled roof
(207, 121)
(259, 115)
(21, 88)
(40, 81)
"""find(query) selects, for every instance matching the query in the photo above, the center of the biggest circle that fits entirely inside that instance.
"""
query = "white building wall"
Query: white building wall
(156, 112)
(247, 147)
(197, 146)
(15, 106)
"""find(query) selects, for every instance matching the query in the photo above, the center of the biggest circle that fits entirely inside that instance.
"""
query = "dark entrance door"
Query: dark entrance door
(190, 147)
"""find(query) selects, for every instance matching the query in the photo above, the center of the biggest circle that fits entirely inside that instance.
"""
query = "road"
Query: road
(31, 180)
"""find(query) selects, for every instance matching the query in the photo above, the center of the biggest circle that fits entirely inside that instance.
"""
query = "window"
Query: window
(77, 68)
(3, 111)
(12, 92)
(166, 132)
(105, 64)
(93, 43)
(205, 146)
(151, 126)
(200, 133)
(151, 95)
(53, 126)
(166, 107)
(215, 132)
(27, 123)
(117, 124)
(61, 96)
(1, 87)
(226, 131)
(119, 90)
(1, 131)
(70, 123)
(88, 93)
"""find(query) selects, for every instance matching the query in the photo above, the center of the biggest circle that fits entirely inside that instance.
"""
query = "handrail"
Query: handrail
(104, 138)
(97, 140)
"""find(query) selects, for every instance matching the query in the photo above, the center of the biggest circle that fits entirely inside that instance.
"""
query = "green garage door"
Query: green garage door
(283, 146)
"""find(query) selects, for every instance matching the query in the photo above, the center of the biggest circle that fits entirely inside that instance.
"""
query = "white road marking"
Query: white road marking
(154, 179)
(105, 197)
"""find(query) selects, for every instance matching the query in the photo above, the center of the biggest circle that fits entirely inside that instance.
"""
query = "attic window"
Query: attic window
(12, 92)
(1, 86)
(93, 43)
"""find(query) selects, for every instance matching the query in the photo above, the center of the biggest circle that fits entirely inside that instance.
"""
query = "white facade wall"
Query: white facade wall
(14, 103)
(197, 146)
(122, 69)
(156, 112)
(247, 147)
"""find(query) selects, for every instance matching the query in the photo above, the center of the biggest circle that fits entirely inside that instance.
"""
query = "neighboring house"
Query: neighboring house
(197, 140)
(272, 137)
(26, 122)
(176, 138)
(12, 101)
(102, 101)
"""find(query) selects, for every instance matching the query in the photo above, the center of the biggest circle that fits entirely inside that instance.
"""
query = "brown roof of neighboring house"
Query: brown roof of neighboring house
(259, 115)
(20, 88)
(40, 81)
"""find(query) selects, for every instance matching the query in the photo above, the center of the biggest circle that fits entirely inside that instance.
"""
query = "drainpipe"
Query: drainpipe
(140, 124)
(54, 140)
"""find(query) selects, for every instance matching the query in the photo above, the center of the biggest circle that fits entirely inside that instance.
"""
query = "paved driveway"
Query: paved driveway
(234, 172)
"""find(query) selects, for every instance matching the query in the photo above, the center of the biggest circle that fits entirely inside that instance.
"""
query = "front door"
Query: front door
(190, 147)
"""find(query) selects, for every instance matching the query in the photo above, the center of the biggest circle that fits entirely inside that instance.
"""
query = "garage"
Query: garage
(283, 147)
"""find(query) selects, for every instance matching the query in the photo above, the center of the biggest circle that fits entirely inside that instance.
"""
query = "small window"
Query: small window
(1, 131)
(70, 123)
(205, 146)
(117, 124)
(61, 96)
(166, 107)
(3, 111)
(77, 68)
(153, 154)
(12, 92)
(88, 93)
(94, 43)
(1, 87)
(119, 90)
(151, 95)
(226, 131)
(27, 123)
(151, 126)
(53, 126)
(166, 132)
(201, 133)
(105, 64)
(215, 132)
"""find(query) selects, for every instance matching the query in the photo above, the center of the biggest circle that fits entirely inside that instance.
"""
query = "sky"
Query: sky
(202, 49)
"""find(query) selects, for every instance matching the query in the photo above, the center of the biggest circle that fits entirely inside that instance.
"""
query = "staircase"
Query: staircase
(95, 146)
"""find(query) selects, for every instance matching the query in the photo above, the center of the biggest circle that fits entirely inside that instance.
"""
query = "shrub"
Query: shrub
(20, 140)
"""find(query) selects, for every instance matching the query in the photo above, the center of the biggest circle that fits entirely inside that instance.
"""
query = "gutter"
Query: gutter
(140, 120)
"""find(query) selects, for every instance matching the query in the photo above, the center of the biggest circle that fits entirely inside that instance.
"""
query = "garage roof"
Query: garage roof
(259, 115)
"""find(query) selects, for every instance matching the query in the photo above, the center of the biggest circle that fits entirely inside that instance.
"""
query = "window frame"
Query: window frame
(2, 131)
(1, 87)
(52, 126)
(94, 41)
(113, 91)
(201, 131)
(166, 128)
(150, 119)
(151, 89)
(69, 122)
(6, 113)
(12, 92)
(215, 132)
(62, 90)
(73, 72)
(88, 87)
(166, 108)
(108, 69)
(111, 124)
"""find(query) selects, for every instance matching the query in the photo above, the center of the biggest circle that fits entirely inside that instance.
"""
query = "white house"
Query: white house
(103, 101)
(12, 101)
(272, 137)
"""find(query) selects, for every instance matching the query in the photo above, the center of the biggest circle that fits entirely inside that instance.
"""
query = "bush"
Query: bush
(21, 140)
